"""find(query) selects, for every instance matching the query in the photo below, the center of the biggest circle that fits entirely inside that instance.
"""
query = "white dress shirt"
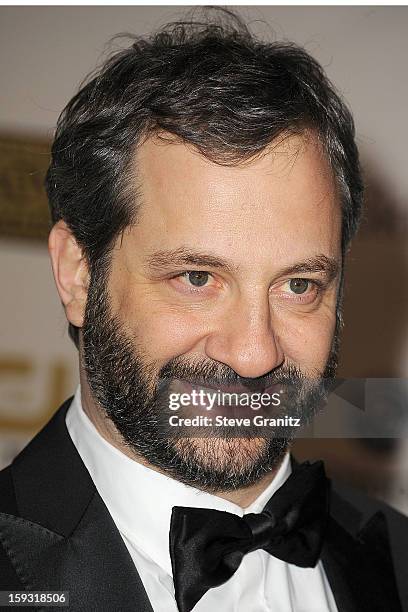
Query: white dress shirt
(140, 501)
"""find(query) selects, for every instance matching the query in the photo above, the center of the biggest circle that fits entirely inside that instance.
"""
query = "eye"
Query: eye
(299, 290)
(197, 278)
(299, 285)
(195, 283)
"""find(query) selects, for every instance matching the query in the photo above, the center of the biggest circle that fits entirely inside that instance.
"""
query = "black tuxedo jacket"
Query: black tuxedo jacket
(57, 534)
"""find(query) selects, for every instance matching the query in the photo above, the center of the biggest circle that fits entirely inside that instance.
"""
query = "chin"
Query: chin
(228, 464)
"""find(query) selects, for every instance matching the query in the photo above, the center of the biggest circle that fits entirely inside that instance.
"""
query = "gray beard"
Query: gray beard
(127, 390)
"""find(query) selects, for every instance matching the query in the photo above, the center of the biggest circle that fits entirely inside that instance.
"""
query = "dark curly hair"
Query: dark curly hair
(210, 83)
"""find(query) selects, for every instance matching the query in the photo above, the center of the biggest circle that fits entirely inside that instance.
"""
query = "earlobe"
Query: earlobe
(70, 272)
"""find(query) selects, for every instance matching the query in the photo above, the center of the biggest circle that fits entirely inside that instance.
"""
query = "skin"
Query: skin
(252, 227)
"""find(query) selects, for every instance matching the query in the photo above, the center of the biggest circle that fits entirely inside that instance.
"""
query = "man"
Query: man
(204, 187)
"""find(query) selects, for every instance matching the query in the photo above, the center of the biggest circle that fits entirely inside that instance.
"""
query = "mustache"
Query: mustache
(213, 374)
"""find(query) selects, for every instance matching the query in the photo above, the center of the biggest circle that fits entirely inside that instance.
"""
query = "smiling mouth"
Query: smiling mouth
(185, 386)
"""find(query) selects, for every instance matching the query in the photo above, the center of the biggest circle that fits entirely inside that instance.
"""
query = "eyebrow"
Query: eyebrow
(319, 263)
(187, 257)
(183, 256)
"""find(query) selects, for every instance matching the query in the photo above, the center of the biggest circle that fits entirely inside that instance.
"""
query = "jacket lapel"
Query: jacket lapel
(92, 564)
(359, 567)
(64, 537)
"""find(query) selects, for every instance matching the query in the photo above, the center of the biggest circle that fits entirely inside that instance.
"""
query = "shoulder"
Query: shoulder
(367, 507)
(46, 485)
(356, 508)
(7, 494)
(47, 462)
(382, 528)
(8, 576)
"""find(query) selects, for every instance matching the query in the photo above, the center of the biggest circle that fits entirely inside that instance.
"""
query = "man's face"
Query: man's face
(230, 273)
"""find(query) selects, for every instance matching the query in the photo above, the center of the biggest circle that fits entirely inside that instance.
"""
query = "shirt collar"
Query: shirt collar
(139, 499)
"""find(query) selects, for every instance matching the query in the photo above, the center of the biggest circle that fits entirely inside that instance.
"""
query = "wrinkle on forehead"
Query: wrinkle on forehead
(281, 206)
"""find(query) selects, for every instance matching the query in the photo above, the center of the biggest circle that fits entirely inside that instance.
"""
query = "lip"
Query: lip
(186, 387)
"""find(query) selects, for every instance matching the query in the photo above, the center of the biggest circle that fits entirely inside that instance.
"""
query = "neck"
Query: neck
(241, 497)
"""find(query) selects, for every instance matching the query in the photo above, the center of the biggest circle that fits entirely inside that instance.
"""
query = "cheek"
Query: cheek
(307, 341)
(171, 334)
(161, 330)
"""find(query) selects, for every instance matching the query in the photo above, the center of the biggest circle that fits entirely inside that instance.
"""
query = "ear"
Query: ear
(70, 272)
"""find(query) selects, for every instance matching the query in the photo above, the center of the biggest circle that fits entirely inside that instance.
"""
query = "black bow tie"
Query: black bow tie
(207, 546)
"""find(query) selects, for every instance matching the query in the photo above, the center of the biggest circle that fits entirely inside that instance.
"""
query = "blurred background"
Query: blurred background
(47, 51)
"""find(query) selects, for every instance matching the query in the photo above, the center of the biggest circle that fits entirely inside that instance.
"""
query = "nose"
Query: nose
(245, 340)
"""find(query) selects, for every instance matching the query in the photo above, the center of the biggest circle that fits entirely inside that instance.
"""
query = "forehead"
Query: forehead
(286, 195)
